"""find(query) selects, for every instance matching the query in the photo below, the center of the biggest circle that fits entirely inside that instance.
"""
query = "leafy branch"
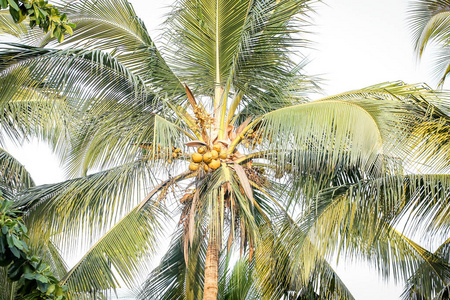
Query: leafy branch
(35, 278)
(40, 13)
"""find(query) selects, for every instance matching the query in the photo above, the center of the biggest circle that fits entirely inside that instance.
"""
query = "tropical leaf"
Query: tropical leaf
(58, 72)
(429, 21)
(173, 278)
(114, 26)
(14, 176)
(9, 27)
(87, 204)
(226, 40)
(289, 264)
(122, 251)
(419, 287)
(124, 135)
(360, 228)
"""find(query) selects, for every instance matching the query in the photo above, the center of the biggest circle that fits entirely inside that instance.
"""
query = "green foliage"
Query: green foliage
(35, 278)
(302, 180)
(40, 13)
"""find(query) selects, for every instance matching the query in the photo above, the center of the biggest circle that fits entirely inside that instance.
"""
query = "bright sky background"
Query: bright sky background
(357, 43)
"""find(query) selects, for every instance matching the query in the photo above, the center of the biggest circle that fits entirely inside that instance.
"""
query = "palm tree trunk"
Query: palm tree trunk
(210, 289)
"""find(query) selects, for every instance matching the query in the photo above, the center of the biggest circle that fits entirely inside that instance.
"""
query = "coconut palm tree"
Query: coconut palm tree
(429, 22)
(217, 128)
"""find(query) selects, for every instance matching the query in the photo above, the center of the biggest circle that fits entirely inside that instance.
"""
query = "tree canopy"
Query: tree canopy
(217, 131)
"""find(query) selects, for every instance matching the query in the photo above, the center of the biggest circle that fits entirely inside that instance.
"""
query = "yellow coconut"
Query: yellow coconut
(193, 166)
(214, 164)
(217, 147)
(214, 154)
(223, 154)
(197, 157)
(207, 157)
(206, 168)
(201, 149)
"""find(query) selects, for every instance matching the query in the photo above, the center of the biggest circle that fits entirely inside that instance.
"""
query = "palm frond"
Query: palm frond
(226, 40)
(123, 135)
(113, 26)
(173, 278)
(290, 264)
(429, 138)
(429, 21)
(13, 174)
(122, 251)
(26, 112)
(89, 204)
(9, 27)
(360, 227)
(423, 199)
(352, 128)
(315, 132)
(67, 73)
(237, 281)
(420, 287)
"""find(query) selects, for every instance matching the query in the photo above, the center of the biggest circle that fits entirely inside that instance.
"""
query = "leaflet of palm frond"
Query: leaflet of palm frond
(9, 27)
(423, 198)
(236, 281)
(87, 204)
(122, 251)
(228, 39)
(68, 73)
(13, 174)
(281, 271)
(433, 286)
(27, 112)
(429, 21)
(115, 138)
(371, 237)
(173, 279)
(113, 25)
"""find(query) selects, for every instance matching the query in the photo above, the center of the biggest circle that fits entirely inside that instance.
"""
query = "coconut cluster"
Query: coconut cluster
(203, 119)
(252, 138)
(162, 152)
(208, 159)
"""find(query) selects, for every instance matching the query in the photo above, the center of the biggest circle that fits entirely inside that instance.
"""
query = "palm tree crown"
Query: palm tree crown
(218, 124)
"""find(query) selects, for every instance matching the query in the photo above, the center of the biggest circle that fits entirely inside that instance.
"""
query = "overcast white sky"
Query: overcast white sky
(357, 43)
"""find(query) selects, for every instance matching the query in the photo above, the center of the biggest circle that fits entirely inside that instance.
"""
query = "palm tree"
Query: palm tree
(429, 22)
(216, 127)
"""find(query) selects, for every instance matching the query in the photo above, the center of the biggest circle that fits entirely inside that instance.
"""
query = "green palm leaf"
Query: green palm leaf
(122, 251)
(14, 176)
(420, 287)
(114, 25)
(173, 278)
(226, 40)
(429, 21)
(88, 204)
